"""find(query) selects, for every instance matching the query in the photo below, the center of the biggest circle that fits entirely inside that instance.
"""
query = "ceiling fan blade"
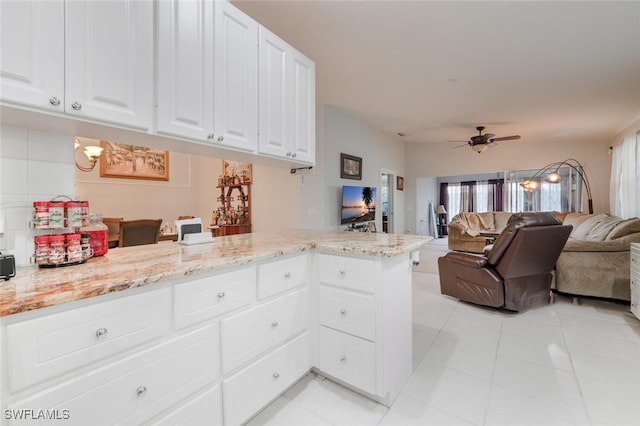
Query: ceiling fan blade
(506, 138)
(488, 136)
(459, 141)
(459, 146)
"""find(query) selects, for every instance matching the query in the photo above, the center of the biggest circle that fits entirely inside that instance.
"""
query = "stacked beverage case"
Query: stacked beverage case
(89, 236)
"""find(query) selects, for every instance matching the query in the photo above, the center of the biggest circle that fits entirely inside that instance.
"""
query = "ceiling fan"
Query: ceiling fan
(480, 142)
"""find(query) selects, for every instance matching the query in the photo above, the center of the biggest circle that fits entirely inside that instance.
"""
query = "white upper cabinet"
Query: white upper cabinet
(235, 78)
(287, 100)
(109, 61)
(303, 144)
(32, 53)
(184, 69)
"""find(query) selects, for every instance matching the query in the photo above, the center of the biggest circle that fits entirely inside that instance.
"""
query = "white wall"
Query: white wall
(432, 160)
(341, 132)
(34, 166)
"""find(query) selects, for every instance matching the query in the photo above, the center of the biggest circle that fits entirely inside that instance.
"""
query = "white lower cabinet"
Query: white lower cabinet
(135, 388)
(50, 345)
(250, 389)
(203, 409)
(348, 358)
(250, 333)
(212, 350)
(364, 323)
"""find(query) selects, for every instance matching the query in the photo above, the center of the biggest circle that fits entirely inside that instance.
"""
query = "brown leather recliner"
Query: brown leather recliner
(515, 273)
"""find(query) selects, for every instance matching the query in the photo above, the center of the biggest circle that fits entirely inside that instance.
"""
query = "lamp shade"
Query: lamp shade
(92, 151)
(440, 209)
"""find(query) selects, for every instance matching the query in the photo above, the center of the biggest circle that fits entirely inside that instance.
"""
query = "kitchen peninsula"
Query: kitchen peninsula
(160, 333)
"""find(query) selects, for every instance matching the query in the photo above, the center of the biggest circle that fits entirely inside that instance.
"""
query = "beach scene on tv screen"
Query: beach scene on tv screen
(358, 204)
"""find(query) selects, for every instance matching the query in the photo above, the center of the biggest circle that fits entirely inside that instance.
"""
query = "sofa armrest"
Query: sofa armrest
(457, 226)
(466, 259)
(594, 246)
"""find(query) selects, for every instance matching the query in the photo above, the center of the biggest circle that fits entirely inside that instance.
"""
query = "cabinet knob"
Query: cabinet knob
(293, 155)
(220, 138)
(342, 272)
(343, 358)
(276, 375)
(77, 106)
(210, 136)
(54, 101)
(274, 324)
(100, 332)
(343, 312)
(287, 275)
(141, 391)
(220, 295)
(289, 154)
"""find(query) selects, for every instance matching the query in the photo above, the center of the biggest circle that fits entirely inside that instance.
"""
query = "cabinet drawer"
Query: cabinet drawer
(347, 358)
(255, 386)
(348, 272)
(136, 388)
(47, 346)
(250, 333)
(204, 409)
(281, 275)
(348, 311)
(206, 298)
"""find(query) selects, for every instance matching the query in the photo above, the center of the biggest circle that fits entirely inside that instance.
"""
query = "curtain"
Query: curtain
(625, 179)
(472, 196)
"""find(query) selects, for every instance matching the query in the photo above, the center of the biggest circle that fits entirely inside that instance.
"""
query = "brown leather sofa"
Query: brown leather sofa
(514, 273)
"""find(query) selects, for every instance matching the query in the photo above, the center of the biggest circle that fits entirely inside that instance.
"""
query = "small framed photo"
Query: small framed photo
(400, 183)
(372, 226)
(350, 167)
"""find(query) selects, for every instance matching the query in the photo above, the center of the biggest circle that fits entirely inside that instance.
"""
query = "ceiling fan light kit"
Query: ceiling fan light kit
(481, 142)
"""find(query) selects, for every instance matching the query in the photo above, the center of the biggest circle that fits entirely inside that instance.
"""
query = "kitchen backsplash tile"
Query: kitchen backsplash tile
(34, 165)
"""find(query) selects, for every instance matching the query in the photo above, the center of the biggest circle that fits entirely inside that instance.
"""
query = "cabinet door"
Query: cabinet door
(184, 84)
(32, 53)
(235, 78)
(303, 124)
(274, 97)
(109, 61)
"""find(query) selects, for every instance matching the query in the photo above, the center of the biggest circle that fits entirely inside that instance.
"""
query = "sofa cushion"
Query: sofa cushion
(500, 220)
(487, 220)
(624, 227)
(574, 219)
(596, 228)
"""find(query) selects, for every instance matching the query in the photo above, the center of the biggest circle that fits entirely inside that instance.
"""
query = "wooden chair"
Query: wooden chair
(139, 232)
(113, 223)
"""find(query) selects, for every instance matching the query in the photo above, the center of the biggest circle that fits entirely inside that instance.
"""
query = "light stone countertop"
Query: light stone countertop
(130, 267)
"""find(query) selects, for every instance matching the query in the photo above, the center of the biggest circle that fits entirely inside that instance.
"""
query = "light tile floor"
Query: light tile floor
(562, 364)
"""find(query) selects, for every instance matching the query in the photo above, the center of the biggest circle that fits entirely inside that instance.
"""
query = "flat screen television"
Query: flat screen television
(358, 204)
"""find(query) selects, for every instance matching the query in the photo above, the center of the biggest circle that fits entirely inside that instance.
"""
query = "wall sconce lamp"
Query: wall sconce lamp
(533, 183)
(92, 152)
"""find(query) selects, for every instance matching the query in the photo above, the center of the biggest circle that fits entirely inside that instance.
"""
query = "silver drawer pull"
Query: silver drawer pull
(276, 375)
(287, 275)
(54, 101)
(100, 332)
(210, 136)
(343, 358)
(274, 324)
(342, 272)
(343, 312)
(141, 391)
(220, 295)
(77, 106)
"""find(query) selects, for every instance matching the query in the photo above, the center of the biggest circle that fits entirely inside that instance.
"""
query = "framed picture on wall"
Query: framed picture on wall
(133, 162)
(400, 183)
(350, 167)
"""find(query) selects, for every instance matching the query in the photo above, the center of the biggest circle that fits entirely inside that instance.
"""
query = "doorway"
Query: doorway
(386, 199)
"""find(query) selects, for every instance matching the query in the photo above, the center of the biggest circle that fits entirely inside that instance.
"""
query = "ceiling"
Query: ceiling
(550, 71)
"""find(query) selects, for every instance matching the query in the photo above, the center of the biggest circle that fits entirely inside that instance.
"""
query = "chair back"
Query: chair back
(185, 217)
(529, 245)
(139, 232)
